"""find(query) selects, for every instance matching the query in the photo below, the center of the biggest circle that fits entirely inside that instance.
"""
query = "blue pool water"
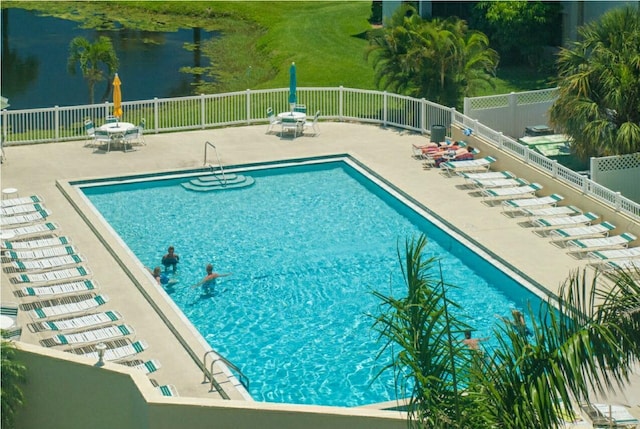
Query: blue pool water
(306, 245)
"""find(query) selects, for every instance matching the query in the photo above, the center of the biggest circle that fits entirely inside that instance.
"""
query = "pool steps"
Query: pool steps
(216, 182)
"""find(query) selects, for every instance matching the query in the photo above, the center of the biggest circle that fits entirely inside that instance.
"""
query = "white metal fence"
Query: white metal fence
(249, 107)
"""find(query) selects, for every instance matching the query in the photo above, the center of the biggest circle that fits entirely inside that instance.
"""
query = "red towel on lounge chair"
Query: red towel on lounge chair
(462, 157)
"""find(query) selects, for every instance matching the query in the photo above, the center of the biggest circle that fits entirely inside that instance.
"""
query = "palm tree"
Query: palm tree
(599, 86)
(440, 60)
(430, 365)
(92, 58)
(13, 374)
(585, 339)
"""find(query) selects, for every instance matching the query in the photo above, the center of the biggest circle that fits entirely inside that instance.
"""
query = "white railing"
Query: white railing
(249, 107)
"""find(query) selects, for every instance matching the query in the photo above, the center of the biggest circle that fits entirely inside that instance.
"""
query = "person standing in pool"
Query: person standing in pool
(208, 283)
(170, 259)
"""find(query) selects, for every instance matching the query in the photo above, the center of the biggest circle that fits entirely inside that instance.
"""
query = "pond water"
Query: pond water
(34, 63)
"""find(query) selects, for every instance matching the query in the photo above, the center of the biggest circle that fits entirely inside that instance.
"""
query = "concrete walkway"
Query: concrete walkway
(34, 169)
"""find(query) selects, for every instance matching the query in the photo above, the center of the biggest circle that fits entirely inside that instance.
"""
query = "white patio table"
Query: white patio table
(116, 131)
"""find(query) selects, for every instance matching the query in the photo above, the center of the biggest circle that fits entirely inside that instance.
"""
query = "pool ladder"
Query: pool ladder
(209, 375)
(206, 146)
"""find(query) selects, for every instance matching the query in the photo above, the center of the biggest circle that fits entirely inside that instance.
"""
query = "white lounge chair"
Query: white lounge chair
(47, 263)
(499, 183)
(624, 264)
(32, 199)
(597, 230)
(31, 230)
(114, 353)
(21, 209)
(69, 308)
(25, 218)
(47, 252)
(81, 322)
(489, 175)
(52, 276)
(168, 390)
(148, 367)
(556, 221)
(60, 289)
(455, 167)
(590, 244)
(606, 415)
(313, 124)
(552, 211)
(629, 253)
(89, 336)
(37, 243)
(521, 204)
(506, 193)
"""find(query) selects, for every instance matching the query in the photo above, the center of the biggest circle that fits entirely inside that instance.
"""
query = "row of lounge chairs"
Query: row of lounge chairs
(584, 235)
(63, 300)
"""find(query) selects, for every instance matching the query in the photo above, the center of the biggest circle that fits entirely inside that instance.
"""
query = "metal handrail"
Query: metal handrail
(244, 380)
(207, 144)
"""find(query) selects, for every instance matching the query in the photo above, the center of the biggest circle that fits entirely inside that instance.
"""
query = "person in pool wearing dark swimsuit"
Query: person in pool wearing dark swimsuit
(170, 259)
(208, 283)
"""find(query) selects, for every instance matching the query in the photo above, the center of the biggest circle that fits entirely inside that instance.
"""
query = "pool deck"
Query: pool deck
(34, 169)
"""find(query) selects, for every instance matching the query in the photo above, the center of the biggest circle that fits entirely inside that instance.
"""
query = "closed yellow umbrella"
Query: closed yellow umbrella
(117, 97)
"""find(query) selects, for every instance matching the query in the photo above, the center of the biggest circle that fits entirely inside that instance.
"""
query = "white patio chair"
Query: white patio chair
(312, 125)
(111, 119)
(273, 120)
(290, 125)
(90, 129)
(300, 108)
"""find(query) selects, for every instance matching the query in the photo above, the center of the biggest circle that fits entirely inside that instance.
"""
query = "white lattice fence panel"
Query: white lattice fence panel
(618, 173)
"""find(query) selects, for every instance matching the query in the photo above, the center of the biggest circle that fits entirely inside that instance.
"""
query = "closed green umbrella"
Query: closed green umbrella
(292, 85)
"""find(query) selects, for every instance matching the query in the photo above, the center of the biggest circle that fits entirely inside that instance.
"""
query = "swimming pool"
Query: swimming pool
(306, 244)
